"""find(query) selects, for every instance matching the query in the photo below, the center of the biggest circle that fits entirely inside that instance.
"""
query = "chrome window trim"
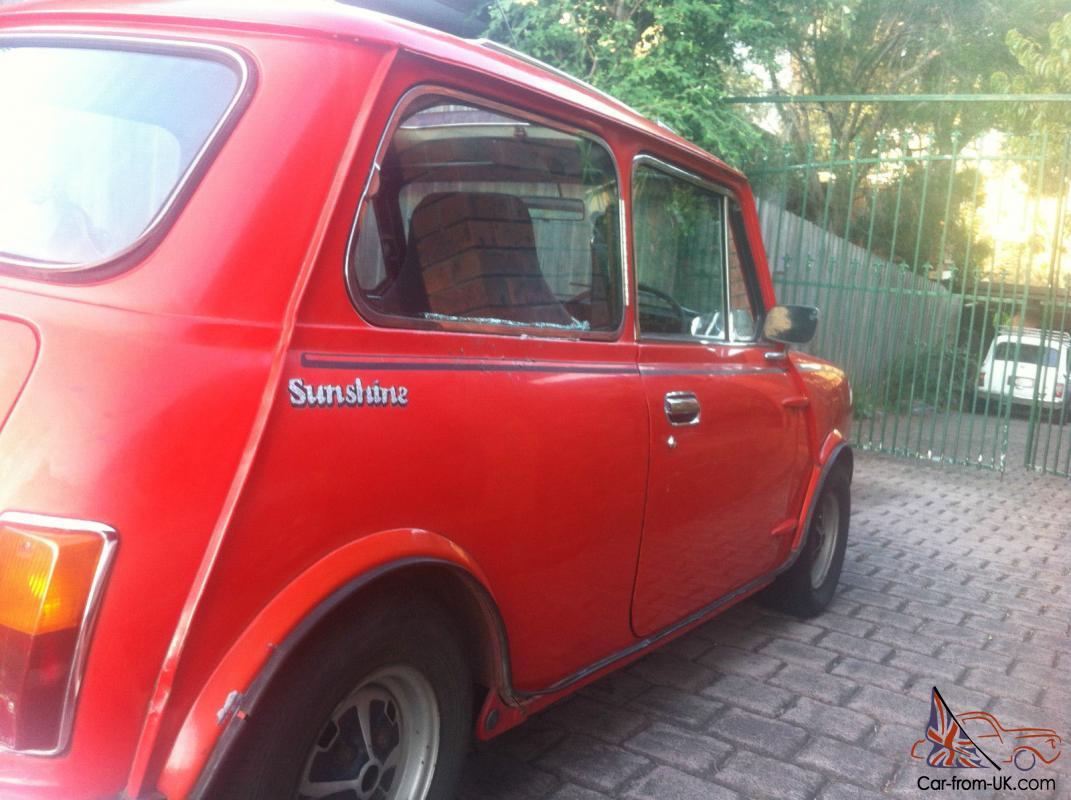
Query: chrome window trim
(370, 315)
(757, 317)
(89, 615)
(727, 196)
(137, 44)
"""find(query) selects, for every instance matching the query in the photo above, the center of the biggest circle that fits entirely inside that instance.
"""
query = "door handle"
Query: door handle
(682, 408)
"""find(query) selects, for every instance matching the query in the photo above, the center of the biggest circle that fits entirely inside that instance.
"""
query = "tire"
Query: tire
(400, 667)
(807, 587)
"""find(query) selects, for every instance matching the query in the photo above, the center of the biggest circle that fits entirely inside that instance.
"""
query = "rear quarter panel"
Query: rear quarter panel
(146, 385)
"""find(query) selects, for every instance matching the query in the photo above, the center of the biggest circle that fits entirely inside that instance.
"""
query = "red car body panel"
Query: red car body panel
(155, 400)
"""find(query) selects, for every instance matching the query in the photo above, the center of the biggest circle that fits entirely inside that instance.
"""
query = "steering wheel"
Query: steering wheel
(678, 309)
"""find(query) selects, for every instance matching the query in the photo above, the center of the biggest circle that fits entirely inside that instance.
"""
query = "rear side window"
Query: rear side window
(95, 144)
(1027, 354)
(479, 217)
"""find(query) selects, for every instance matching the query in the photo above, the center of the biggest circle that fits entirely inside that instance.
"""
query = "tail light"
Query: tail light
(1060, 388)
(981, 378)
(51, 572)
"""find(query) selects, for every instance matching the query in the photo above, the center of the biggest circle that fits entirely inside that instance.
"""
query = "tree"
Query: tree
(1043, 68)
(672, 60)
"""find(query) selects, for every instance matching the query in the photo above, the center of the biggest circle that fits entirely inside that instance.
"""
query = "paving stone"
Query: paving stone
(591, 763)
(851, 578)
(884, 617)
(617, 687)
(680, 748)
(666, 783)
(688, 709)
(998, 684)
(583, 715)
(835, 721)
(756, 776)
(894, 739)
(720, 631)
(971, 657)
(1037, 675)
(881, 600)
(573, 792)
(760, 696)
(829, 755)
(690, 648)
(759, 733)
(954, 633)
(527, 741)
(933, 669)
(913, 642)
(799, 653)
(916, 592)
(886, 705)
(491, 776)
(819, 685)
(848, 791)
(725, 658)
(871, 673)
(853, 646)
(1036, 622)
(938, 613)
(665, 669)
(789, 628)
(842, 624)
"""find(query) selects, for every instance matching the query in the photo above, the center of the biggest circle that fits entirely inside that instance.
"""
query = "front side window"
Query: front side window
(95, 142)
(679, 240)
(478, 217)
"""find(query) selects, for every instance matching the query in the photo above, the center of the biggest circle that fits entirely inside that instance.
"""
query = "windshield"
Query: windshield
(95, 143)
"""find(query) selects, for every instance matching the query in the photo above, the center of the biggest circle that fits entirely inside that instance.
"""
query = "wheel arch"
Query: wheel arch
(835, 453)
(304, 610)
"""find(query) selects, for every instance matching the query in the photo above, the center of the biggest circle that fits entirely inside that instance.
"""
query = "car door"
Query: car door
(508, 416)
(728, 440)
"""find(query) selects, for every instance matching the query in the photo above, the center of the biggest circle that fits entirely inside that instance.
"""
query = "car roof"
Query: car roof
(333, 19)
(1053, 339)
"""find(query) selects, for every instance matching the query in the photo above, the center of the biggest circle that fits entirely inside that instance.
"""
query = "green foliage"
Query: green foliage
(672, 60)
(921, 380)
(1044, 68)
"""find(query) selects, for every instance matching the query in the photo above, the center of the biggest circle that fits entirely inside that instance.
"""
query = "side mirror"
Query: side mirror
(790, 324)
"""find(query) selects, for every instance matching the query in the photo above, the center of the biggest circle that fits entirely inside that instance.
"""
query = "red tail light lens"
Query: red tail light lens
(51, 572)
(1060, 391)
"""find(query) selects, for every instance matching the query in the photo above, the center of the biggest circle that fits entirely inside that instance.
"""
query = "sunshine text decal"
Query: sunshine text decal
(354, 394)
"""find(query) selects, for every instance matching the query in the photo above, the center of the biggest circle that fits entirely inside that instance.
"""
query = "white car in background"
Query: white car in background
(1024, 366)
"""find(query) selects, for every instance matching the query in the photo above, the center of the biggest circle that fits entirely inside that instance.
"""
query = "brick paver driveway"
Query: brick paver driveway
(953, 578)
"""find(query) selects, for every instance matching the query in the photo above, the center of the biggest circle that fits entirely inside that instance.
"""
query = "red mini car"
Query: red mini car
(365, 389)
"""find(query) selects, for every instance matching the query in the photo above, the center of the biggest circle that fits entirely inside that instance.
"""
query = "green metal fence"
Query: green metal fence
(942, 270)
